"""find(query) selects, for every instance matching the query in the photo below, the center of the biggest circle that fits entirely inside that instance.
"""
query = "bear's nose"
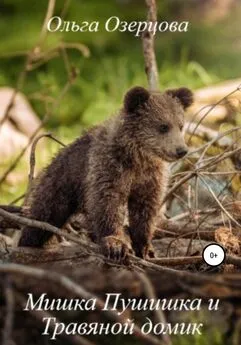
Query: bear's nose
(181, 152)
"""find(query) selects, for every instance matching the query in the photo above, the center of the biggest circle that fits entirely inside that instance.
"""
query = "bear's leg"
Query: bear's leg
(108, 226)
(106, 208)
(56, 215)
(49, 205)
(143, 206)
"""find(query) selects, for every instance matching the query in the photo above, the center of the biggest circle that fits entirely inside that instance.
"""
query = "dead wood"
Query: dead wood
(214, 93)
(117, 278)
(148, 47)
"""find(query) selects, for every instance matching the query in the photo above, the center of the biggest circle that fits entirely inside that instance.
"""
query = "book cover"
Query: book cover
(120, 161)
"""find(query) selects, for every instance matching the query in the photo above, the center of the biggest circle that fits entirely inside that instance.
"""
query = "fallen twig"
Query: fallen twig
(238, 88)
(40, 225)
(33, 160)
(175, 261)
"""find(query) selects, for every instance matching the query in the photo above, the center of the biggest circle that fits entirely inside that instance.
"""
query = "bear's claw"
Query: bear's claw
(113, 248)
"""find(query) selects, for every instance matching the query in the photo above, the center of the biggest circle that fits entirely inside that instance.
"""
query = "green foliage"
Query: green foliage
(115, 63)
(16, 184)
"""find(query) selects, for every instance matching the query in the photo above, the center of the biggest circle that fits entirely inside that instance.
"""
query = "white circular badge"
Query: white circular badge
(214, 254)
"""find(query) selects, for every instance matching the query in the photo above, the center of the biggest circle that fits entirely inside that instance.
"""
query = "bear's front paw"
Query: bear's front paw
(114, 248)
(150, 252)
(145, 252)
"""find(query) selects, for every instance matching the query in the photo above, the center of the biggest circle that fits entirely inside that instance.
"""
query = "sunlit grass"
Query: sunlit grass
(16, 183)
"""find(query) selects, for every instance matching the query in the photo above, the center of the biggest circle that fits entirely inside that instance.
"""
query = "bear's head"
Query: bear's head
(157, 119)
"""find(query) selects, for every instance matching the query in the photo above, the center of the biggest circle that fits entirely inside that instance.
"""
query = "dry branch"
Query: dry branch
(48, 15)
(175, 261)
(33, 160)
(44, 121)
(211, 135)
(41, 225)
(214, 93)
(29, 57)
(94, 250)
(148, 47)
(117, 278)
(232, 92)
(199, 168)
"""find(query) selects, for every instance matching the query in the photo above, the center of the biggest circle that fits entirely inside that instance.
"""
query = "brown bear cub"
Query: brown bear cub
(116, 170)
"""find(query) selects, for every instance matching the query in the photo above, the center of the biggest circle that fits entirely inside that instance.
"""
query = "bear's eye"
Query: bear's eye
(164, 128)
(181, 127)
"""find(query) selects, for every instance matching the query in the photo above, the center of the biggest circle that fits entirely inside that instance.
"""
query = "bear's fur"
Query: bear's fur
(117, 169)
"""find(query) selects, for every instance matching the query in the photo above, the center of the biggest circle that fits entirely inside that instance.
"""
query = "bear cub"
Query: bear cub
(116, 170)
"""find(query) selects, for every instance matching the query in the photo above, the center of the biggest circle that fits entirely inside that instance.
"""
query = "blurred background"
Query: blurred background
(104, 65)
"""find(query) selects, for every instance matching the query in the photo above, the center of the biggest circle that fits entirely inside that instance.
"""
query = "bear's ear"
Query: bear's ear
(134, 98)
(184, 95)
